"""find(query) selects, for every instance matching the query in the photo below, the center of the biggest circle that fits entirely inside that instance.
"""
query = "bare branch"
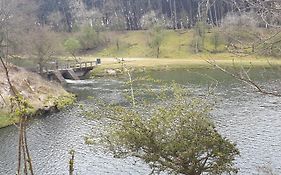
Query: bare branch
(246, 79)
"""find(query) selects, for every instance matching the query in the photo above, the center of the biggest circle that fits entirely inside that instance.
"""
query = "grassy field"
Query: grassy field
(175, 52)
(132, 44)
(135, 44)
(188, 63)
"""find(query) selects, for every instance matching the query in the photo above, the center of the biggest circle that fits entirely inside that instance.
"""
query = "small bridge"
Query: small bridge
(73, 71)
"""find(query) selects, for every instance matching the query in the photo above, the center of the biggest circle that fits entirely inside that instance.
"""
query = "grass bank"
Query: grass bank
(56, 104)
(198, 61)
(132, 44)
(176, 51)
(6, 120)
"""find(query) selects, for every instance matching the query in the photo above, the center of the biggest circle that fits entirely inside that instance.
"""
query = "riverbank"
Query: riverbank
(115, 65)
(41, 95)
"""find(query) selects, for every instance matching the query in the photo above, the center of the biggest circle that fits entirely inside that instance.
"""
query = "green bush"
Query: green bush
(198, 41)
(72, 46)
(172, 134)
(155, 40)
(90, 39)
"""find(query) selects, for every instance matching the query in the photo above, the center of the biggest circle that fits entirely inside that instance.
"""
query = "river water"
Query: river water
(249, 119)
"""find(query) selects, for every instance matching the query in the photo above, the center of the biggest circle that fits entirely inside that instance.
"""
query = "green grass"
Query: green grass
(6, 120)
(175, 52)
(62, 101)
(131, 44)
(199, 61)
(175, 44)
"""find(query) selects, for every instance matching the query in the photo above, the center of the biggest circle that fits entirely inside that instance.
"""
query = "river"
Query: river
(249, 119)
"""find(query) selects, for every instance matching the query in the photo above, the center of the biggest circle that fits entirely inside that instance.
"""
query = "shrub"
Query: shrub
(90, 39)
(173, 134)
(72, 46)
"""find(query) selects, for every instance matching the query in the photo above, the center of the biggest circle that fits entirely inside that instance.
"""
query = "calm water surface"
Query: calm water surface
(251, 120)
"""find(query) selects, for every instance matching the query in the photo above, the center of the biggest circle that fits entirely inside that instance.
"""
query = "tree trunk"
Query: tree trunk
(158, 51)
(40, 68)
(175, 15)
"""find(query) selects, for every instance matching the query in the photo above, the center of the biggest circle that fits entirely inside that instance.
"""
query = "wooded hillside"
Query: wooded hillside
(67, 15)
(44, 28)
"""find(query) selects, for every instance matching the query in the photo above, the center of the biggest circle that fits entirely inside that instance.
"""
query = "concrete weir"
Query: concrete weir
(70, 74)
(57, 76)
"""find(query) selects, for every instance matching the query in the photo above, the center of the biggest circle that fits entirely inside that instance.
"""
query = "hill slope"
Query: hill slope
(175, 44)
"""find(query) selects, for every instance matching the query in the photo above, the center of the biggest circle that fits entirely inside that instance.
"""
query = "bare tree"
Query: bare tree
(44, 45)
(8, 10)
(20, 108)
(243, 76)
(253, 29)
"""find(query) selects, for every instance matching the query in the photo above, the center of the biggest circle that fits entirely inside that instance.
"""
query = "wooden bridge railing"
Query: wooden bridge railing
(77, 65)
(80, 65)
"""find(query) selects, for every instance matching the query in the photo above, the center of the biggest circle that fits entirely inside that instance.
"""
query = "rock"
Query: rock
(111, 72)
(118, 71)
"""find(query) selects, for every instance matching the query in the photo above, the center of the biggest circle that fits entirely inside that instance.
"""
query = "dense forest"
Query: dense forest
(251, 26)
(130, 14)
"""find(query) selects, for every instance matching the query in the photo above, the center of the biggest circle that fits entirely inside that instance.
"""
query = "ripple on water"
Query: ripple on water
(52, 137)
(251, 120)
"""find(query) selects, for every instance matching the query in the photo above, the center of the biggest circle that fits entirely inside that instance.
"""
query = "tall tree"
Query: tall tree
(44, 45)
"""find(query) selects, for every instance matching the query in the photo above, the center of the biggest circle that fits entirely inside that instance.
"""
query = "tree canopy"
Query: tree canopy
(128, 14)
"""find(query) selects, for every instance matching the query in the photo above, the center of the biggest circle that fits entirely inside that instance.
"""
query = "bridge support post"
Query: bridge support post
(72, 74)
(59, 77)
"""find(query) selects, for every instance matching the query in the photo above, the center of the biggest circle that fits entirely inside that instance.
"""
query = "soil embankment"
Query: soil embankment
(39, 93)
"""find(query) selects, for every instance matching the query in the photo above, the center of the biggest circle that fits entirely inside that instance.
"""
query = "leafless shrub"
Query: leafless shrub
(248, 20)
